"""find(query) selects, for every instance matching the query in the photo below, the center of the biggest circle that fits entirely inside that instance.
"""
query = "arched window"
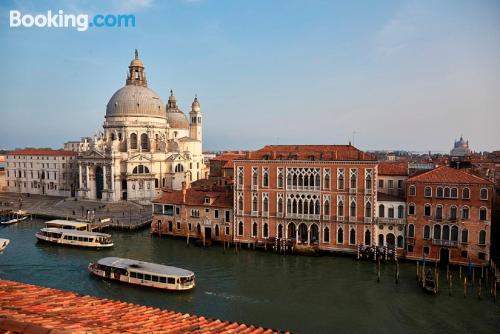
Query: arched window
(437, 232)
(446, 192)
(454, 233)
(428, 192)
(294, 206)
(340, 184)
(400, 241)
(216, 230)
(141, 169)
(401, 212)
(280, 205)
(240, 203)
(240, 228)
(289, 206)
(311, 207)
(483, 194)
(465, 236)
(340, 209)
(446, 232)
(352, 237)
(316, 184)
(301, 206)
(411, 231)
(454, 192)
(381, 211)
(144, 142)
(266, 231)
(280, 231)
(326, 235)
(265, 179)
(353, 181)
(483, 214)
(327, 182)
(412, 191)
(380, 239)
(368, 182)
(368, 238)
(254, 204)
(368, 210)
(265, 205)
(255, 176)
(439, 212)
(465, 212)
(427, 232)
(427, 210)
(179, 168)
(133, 141)
(317, 207)
(340, 236)
(439, 192)
(353, 209)
(390, 212)
(326, 208)
(453, 213)
(482, 237)
(465, 193)
(254, 229)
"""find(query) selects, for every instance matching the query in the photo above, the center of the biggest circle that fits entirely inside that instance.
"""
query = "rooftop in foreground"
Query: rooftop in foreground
(25, 308)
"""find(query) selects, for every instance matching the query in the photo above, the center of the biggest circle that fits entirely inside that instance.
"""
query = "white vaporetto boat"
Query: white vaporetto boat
(67, 224)
(3, 244)
(74, 237)
(143, 273)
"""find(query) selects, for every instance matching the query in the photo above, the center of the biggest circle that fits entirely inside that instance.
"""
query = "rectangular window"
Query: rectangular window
(227, 218)
(147, 277)
(216, 214)
(157, 209)
(400, 184)
(171, 280)
(427, 211)
(391, 184)
(163, 279)
(154, 278)
(177, 210)
(140, 276)
(227, 230)
(168, 210)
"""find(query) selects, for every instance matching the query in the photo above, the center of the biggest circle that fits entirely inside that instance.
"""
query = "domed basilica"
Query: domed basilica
(145, 145)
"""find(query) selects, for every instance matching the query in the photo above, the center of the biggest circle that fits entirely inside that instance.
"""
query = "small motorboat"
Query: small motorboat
(16, 217)
(3, 244)
(429, 283)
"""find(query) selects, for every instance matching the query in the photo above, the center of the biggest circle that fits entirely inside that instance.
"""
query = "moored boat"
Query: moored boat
(74, 237)
(429, 283)
(67, 224)
(3, 244)
(143, 273)
(16, 217)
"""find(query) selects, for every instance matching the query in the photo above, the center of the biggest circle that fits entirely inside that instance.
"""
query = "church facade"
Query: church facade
(144, 146)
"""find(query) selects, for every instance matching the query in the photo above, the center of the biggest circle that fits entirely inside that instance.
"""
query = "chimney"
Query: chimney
(184, 191)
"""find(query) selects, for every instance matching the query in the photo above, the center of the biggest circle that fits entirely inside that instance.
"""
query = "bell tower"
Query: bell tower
(136, 75)
(195, 127)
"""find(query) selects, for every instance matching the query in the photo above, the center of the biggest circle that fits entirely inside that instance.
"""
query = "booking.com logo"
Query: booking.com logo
(81, 22)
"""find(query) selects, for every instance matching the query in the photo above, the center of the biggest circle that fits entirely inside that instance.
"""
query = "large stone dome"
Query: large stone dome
(177, 120)
(134, 100)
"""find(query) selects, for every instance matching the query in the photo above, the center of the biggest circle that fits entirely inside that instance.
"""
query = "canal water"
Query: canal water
(303, 294)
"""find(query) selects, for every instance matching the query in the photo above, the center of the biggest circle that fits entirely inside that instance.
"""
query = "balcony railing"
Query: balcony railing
(279, 214)
(382, 220)
(368, 220)
(255, 213)
(305, 216)
(239, 212)
(265, 214)
(448, 243)
(353, 190)
(368, 191)
(326, 217)
(340, 218)
(254, 187)
(303, 188)
(352, 219)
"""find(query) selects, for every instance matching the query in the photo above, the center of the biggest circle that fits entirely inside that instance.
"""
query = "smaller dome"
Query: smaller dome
(177, 120)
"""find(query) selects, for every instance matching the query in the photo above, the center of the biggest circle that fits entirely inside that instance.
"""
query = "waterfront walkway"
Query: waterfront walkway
(123, 215)
(26, 308)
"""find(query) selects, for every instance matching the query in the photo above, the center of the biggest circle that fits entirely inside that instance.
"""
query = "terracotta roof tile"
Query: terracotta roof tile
(27, 308)
(42, 151)
(445, 174)
(393, 168)
(309, 152)
(196, 197)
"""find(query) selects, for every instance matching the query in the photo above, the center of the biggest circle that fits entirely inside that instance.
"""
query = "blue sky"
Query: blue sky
(398, 74)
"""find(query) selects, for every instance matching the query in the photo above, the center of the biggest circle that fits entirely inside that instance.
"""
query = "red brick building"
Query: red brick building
(204, 212)
(320, 196)
(449, 216)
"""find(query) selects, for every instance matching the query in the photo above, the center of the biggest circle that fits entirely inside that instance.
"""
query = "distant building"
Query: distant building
(42, 171)
(3, 179)
(449, 216)
(205, 213)
(222, 166)
(315, 196)
(460, 155)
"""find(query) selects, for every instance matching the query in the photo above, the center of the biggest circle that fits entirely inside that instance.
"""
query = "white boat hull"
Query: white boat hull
(13, 221)
(3, 244)
(62, 241)
(126, 279)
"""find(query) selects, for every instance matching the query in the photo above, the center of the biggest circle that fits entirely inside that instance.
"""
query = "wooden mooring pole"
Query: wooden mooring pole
(418, 273)
(465, 286)
(397, 272)
(479, 290)
(378, 269)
